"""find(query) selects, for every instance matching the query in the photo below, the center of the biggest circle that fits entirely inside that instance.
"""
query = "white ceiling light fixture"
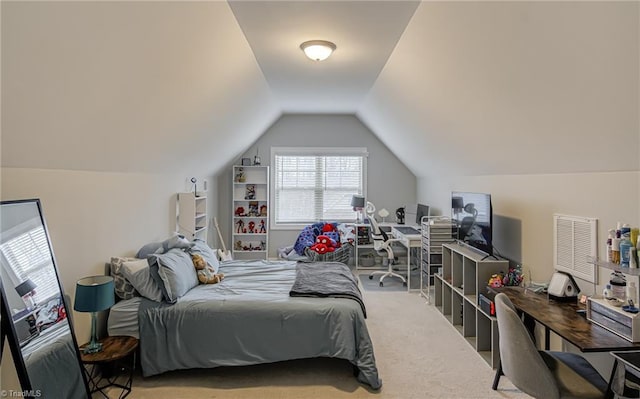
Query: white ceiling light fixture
(318, 50)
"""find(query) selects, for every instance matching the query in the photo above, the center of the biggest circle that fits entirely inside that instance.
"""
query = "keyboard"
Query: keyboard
(406, 230)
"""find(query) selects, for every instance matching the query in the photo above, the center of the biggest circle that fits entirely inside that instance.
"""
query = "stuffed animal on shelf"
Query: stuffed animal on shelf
(238, 245)
(206, 273)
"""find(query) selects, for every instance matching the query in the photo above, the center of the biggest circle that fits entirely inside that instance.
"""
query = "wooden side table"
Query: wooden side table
(118, 353)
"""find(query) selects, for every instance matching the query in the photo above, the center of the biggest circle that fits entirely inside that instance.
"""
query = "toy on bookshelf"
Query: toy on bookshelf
(250, 192)
(240, 211)
(263, 229)
(263, 210)
(253, 208)
(240, 177)
(240, 226)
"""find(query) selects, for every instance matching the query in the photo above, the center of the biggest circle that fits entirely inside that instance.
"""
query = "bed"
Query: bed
(248, 318)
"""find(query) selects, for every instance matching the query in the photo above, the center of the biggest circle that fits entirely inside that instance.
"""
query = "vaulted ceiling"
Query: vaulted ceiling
(449, 87)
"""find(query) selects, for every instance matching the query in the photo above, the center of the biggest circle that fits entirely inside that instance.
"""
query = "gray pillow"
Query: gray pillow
(201, 248)
(175, 241)
(139, 275)
(174, 272)
(123, 288)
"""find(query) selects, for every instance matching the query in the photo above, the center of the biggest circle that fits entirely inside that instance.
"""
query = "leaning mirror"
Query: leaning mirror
(34, 311)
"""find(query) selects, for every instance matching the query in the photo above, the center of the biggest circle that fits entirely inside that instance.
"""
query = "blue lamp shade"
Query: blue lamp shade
(94, 294)
(25, 287)
(357, 201)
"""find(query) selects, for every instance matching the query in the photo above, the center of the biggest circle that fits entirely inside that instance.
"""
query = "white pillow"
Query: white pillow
(139, 275)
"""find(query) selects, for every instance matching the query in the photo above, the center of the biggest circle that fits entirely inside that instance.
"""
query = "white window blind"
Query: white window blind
(29, 257)
(312, 185)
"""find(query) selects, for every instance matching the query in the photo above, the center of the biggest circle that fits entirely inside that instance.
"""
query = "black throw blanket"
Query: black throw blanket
(326, 279)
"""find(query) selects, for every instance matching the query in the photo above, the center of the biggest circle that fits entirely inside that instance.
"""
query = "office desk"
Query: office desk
(408, 240)
(562, 319)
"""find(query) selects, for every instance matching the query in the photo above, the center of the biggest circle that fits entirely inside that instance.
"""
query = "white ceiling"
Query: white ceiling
(365, 33)
(474, 88)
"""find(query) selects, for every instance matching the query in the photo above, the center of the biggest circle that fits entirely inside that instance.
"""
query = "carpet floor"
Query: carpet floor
(418, 354)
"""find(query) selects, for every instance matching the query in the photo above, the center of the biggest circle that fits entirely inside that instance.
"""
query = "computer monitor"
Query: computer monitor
(421, 211)
(413, 214)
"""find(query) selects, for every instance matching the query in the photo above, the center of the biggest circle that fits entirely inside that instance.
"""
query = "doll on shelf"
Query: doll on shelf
(252, 227)
(240, 226)
(240, 177)
(263, 229)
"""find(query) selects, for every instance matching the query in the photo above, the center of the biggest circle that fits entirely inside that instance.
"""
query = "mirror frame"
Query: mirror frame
(8, 328)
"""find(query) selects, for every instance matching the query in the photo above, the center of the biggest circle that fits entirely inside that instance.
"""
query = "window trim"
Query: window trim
(307, 151)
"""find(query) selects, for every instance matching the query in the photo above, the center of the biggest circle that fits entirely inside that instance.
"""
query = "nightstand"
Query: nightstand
(104, 368)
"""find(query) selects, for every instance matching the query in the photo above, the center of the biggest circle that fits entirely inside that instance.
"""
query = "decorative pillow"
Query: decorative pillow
(201, 248)
(175, 241)
(174, 273)
(124, 289)
(139, 275)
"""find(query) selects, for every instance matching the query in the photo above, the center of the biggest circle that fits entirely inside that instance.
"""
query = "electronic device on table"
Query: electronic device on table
(563, 287)
(472, 214)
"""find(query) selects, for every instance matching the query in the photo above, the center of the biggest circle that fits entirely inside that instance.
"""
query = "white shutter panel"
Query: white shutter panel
(575, 242)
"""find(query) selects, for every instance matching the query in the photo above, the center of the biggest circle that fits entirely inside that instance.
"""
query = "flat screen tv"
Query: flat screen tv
(472, 214)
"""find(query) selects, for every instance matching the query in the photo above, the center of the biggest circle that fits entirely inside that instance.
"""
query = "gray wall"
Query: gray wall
(390, 184)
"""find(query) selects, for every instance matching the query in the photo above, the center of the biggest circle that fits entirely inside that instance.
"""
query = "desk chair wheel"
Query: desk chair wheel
(404, 284)
(370, 277)
(381, 284)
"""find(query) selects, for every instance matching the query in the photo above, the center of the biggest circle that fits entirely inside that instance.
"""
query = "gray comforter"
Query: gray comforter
(250, 318)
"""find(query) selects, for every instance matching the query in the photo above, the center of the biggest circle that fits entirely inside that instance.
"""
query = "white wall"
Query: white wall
(533, 199)
(92, 216)
(390, 184)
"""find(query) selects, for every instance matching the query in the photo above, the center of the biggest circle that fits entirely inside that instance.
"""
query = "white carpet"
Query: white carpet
(418, 353)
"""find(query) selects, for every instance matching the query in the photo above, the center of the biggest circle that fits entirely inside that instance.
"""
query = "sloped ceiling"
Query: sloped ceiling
(128, 86)
(468, 88)
(490, 88)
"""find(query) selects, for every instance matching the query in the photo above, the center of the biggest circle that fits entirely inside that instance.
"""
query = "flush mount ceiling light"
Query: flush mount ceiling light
(318, 50)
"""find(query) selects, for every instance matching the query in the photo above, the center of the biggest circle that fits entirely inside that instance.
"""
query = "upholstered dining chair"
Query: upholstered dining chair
(542, 374)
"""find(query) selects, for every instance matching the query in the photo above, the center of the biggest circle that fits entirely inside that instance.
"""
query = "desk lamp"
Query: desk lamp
(358, 203)
(26, 290)
(94, 294)
(456, 205)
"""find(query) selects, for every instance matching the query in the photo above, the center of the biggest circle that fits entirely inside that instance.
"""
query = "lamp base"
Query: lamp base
(92, 347)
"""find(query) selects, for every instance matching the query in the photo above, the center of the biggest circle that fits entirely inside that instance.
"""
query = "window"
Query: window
(29, 257)
(315, 184)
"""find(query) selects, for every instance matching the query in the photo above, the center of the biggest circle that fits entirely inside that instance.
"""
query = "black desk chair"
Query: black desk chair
(542, 374)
